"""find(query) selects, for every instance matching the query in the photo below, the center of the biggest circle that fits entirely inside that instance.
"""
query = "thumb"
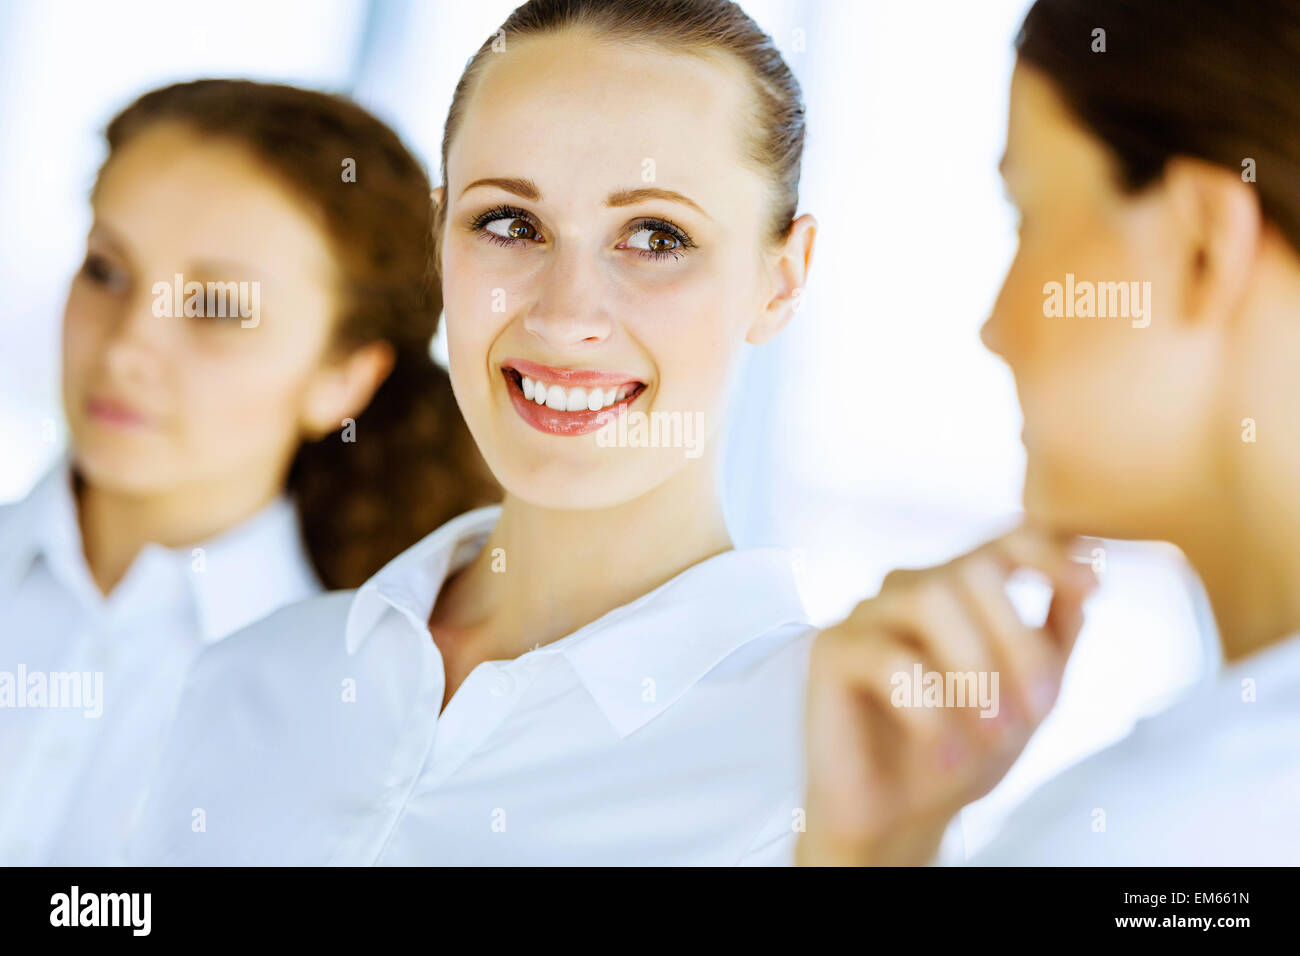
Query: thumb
(1065, 613)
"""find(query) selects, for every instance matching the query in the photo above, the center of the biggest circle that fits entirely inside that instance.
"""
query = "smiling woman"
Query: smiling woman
(590, 673)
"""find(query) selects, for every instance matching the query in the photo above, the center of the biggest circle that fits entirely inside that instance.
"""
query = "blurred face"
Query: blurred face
(602, 256)
(1117, 397)
(157, 399)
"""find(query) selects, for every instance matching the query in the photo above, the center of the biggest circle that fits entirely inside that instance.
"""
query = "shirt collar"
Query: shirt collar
(637, 659)
(42, 523)
(233, 579)
(249, 571)
(411, 581)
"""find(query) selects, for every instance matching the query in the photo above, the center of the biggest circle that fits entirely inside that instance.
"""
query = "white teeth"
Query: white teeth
(573, 399)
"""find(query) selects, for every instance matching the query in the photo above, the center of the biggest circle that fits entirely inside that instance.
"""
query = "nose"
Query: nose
(993, 333)
(136, 339)
(569, 308)
(987, 335)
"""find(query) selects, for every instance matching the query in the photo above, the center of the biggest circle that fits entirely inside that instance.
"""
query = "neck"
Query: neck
(116, 525)
(1252, 578)
(1244, 540)
(544, 573)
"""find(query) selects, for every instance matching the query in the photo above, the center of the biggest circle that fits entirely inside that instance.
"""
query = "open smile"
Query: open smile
(561, 401)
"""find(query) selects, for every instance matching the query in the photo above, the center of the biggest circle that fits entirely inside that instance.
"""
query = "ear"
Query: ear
(343, 388)
(1219, 217)
(787, 275)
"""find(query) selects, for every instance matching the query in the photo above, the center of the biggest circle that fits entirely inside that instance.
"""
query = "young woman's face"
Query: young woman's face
(1117, 407)
(156, 401)
(600, 219)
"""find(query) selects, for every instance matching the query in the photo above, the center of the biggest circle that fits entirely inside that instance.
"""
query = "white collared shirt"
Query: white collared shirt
(88, 683)
(668, 731)
(1213, 780)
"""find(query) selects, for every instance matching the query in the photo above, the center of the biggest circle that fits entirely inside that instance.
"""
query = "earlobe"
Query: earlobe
(343, 391)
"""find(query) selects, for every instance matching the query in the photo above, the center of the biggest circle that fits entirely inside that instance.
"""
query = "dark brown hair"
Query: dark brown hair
(1206, 79)
(413, 464)
(774, 139)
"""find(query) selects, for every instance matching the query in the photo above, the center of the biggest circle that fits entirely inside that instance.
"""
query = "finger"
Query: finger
(930, 753)
(1050, 555)
(942, 636)
(1053, 556)
(1065, 616)
(1026, 657)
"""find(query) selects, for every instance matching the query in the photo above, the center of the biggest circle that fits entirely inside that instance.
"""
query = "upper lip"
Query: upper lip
(571, 377)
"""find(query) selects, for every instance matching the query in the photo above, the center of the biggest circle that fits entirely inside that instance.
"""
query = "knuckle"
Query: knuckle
(979, 573)
(932, 598)
(898, 578)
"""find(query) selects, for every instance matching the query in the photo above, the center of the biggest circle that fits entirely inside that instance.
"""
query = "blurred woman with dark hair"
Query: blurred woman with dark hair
(254, 414)
(1154, 146)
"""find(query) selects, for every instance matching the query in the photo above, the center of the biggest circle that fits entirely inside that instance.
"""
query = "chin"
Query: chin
(545, 487)
(1057, 507)
(590, 480)
(113, 468)
(1075, 508)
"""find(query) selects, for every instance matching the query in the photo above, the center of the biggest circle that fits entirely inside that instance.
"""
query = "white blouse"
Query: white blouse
(1213, 780)
(88, 683)
(668, 731)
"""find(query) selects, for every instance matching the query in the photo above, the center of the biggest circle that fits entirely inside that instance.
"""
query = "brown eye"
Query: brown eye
(512, 228)
(654, 240)
(661, 242)
(102, 272)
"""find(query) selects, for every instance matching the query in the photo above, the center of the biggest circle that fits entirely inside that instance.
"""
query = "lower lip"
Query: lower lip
(107, 413)
(548, 420)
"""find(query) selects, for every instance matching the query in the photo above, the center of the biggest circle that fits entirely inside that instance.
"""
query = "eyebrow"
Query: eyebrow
(225, 267)
(101, 230)
(527, 189)
(201, 267)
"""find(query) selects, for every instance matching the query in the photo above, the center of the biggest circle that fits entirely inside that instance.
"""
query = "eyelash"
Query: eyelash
(99, 270)
(477, 224)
